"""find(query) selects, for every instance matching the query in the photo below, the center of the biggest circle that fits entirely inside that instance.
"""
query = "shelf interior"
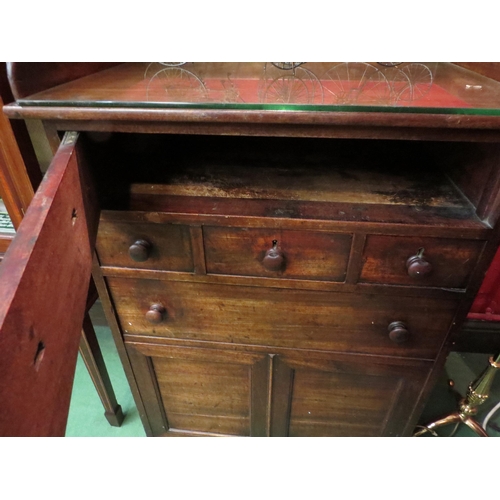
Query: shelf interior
(348, 180)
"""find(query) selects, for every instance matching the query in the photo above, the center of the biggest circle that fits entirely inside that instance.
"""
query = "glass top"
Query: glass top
(292, 86)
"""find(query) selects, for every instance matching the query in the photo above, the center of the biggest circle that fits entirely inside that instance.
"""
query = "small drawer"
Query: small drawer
(430, 262)
(145, 246)
(277, 253)
(296, 319)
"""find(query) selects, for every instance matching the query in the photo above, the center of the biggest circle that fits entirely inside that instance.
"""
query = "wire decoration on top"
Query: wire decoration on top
(345, 83)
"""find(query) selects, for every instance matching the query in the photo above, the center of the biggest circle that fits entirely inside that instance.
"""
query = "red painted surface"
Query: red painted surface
(284, 90)
(486, 306)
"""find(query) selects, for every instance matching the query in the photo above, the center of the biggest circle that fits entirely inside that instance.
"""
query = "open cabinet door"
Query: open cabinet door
(44, 281)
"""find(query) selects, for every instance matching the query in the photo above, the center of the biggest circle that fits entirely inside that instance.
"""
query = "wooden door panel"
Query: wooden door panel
(44, 281)
(193, 391)
(343, 396)
(200, 391)
(187, 384)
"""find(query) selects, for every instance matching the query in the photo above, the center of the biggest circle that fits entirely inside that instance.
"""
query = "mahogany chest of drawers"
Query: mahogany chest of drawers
(269, 272)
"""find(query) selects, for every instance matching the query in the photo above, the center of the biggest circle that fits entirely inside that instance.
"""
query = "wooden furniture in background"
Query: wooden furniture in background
(15, 186)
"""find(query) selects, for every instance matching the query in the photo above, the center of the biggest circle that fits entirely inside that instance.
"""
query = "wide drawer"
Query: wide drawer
(281, 317)
(277, 253)
(145, 246)
(434, 262)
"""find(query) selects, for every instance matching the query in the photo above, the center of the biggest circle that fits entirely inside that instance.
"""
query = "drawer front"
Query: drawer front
(434, 262)
(282, 317)
(277, 253)
(145, 246)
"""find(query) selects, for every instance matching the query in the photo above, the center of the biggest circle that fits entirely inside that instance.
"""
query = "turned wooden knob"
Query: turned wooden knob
(156, 313)
(140, 250)
(274, 258)
(418, 266)
(398, 332)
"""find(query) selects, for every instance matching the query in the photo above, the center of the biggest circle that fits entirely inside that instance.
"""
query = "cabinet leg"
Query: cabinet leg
(92, 357)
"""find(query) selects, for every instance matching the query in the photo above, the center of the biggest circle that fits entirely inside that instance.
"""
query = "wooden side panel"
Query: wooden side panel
(344, 397)
(474, 170)
(21, 135)
(467, 164)
(44, 281)
(202, 391)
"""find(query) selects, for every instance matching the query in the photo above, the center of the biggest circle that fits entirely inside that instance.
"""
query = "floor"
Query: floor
(86, 417)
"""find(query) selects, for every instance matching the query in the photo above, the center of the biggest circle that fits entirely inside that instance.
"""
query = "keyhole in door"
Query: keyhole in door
(40, 351)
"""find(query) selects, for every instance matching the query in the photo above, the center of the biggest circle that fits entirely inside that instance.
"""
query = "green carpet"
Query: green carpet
(86, 413)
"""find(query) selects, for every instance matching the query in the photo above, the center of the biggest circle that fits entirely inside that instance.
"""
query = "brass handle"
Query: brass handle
(398, 332)
(417, 266)
(140, 250)
(274, 258)
(156, 313)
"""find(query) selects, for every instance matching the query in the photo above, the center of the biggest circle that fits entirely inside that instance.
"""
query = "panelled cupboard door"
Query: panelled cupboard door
(199, 391)
(192, 391)
(343, 395)
(44, 281)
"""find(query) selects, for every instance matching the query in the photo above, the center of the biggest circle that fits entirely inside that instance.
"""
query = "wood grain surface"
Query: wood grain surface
(42, 303)
(452, 260)
(280, 317)
(216, 392)
(307, 255)
(344, 198)
(170, 245)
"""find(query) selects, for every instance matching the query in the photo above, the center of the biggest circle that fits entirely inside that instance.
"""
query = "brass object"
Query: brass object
(477, 394)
